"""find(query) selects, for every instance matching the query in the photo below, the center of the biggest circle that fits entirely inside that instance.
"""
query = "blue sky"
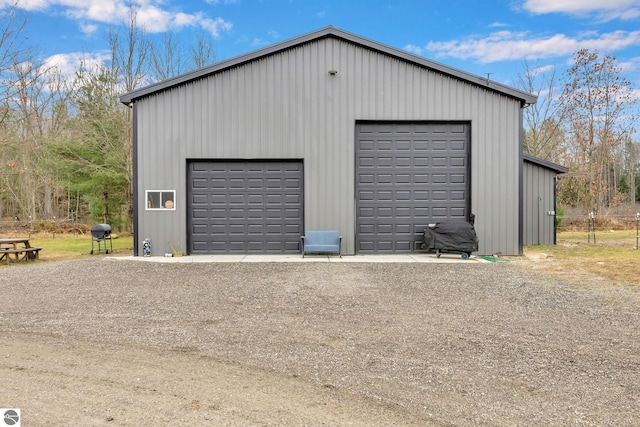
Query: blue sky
(480, 37)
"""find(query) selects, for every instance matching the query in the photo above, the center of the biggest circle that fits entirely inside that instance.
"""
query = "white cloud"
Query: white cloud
(632, 64)
(88, 29)
(29, 5)
(603, 9)
(152, 14)
(154, 20)
(273, 34)
(413, 49)
(258, 42)
(509, 46)
(544, 69)
(68, 63)
(215, 26)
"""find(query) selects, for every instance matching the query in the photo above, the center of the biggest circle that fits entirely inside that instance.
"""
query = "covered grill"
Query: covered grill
(101, 233)
(451, 236)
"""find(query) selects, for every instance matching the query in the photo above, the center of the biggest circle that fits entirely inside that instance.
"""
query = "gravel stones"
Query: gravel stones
(450, 344)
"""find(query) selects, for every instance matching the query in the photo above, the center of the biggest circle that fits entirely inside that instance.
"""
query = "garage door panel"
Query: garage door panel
(458, 213)
(255, 199)
(457, 146)
(214, 183)
(215, 199)
(200, 230)
(245, 206)
(421, 178)
(458, 162)
(408, 175)
(236, 199)
(456, 178)
(292, 183)
(201, 247)
(199, 183)
(200, 200)
(294, 230)
(402, 212)
(292, 213)
(457, 195)
(403, 246)
(292, 246)
(422, 195)
(365, 195)
(421, 212)
(200, 214)
(218, 229)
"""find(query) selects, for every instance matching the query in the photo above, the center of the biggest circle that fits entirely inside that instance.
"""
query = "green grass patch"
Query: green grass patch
(66, 246)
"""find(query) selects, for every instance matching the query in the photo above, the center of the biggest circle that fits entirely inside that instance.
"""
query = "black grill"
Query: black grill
(101, 233)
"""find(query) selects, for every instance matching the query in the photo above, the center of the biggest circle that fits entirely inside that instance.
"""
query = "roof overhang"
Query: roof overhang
(558, 169)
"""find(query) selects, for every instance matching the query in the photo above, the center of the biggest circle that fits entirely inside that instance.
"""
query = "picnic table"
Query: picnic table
(18, 249)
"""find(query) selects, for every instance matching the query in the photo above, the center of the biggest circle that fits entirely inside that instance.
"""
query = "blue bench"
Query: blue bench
(321, 241)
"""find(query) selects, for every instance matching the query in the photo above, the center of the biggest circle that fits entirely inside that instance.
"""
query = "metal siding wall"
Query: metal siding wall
(539, 188)
(530, 193)
(548, 197)
(288, 106)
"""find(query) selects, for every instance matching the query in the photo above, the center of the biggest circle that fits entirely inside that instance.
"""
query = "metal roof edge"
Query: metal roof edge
(545, 163)
(330, 31)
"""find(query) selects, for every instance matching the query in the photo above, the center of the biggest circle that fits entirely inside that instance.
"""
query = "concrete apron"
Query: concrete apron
(388, 258)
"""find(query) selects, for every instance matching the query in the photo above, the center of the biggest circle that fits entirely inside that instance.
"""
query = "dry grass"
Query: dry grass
(612, 260)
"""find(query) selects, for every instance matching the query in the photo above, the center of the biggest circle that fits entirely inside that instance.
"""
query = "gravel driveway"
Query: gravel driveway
(106, 341)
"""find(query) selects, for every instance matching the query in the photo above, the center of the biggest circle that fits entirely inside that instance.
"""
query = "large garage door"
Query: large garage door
(245, 206)
(408, 175)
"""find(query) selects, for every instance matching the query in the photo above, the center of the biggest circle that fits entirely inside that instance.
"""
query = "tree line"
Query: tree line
(585, 120)
(66, 143)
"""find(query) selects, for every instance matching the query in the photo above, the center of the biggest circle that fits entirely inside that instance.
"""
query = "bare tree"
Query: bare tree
(202, 54)
(11, 49)
(11, 27)
(130, 54)
(598, 105)
(38, 114)
(166, 58)
(543, 120)
(130, 67)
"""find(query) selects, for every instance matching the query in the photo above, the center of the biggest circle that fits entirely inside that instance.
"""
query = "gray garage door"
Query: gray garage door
(408, 175)
(245, 206)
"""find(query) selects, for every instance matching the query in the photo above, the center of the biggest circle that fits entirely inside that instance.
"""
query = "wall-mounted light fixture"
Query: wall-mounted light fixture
(333, 72)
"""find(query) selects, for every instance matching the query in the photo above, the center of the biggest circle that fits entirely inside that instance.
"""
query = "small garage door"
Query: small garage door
(407, 176)
(245, 206)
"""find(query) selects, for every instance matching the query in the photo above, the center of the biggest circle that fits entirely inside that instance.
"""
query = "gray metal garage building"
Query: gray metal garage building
(325, 131)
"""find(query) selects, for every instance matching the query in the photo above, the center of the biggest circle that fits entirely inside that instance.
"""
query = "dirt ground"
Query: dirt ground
(113, 342)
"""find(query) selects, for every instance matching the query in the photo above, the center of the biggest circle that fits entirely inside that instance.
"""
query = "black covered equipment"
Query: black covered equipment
(451, 236)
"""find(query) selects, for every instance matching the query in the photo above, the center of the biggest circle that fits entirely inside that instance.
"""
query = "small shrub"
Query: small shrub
(560, 212)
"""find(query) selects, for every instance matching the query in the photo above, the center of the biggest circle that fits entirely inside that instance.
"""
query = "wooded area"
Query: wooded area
(66, 143)
(586, 122)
